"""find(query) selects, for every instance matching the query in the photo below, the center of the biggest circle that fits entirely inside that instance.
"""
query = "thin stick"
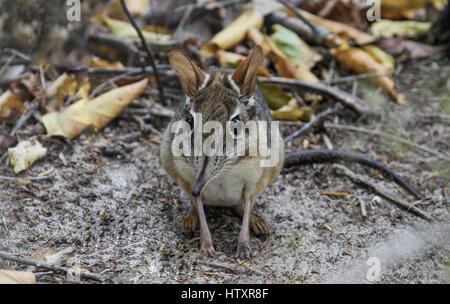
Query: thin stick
(186, 15)
(342, 170)
(146, 48)
(306, 157)
(84, 274)
(35, 105)
(23, 178)
(248, 266)
(388, 136)
(295, 11)
(311, 123)
(354, 103)
(354, 77)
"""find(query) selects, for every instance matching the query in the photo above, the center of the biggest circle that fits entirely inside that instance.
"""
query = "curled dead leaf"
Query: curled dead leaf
(74, 119)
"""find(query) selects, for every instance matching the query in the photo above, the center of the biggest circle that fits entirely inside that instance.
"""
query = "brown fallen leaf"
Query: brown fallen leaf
(98, 112)
(362, 63)
(10, 106)
(17, 277)
(233, 33)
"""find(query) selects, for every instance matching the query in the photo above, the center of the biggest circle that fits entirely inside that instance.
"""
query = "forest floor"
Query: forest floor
(122, 213)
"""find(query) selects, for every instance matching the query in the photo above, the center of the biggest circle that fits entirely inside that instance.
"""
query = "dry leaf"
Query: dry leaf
(287, 68)
(255, 36)
(362, 63)
(276, 97)
(74, 119)
(10, 106)
(138, 7)
(97, 62)
(229, 59)
(381, 57)
(50, 256)
(232, 60)
(63, 87)
(25, 154)
(292, 111)
(293, 46)
(125, 29)
(17, 277)
(233, 33)
(389, 28)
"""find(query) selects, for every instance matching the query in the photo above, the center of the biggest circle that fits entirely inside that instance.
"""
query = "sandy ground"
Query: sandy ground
(122, 214)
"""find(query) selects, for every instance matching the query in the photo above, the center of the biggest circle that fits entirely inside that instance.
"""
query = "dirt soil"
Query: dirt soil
(121, 213)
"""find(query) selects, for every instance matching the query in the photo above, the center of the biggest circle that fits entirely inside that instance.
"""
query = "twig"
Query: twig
(84, 274)
(108, 82)
(362, 205)
(102, 74)
(328, 156)
(320, 36)
(34, 106)
(342, 170)
(209, 5)
(6, 65)
(354, 103)
(327, 142)
(354, 77)
(184, 19)
(147, 49)
(388, 136)
(311, 123)
(248, 266)
(295, 11)
(23, 178)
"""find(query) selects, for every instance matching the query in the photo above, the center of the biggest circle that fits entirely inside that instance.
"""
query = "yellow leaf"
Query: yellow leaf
(74, 119)
(17, 277)
(276, 97)
(362, 63)
(388, 28)
(381, 56)
(97, 62)
(25, 154)
(125, 29)
(8, 104)
(138, 7)
(290, 69)
(229, 59)
(292, 111)
(62, 87)
(233, 33)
